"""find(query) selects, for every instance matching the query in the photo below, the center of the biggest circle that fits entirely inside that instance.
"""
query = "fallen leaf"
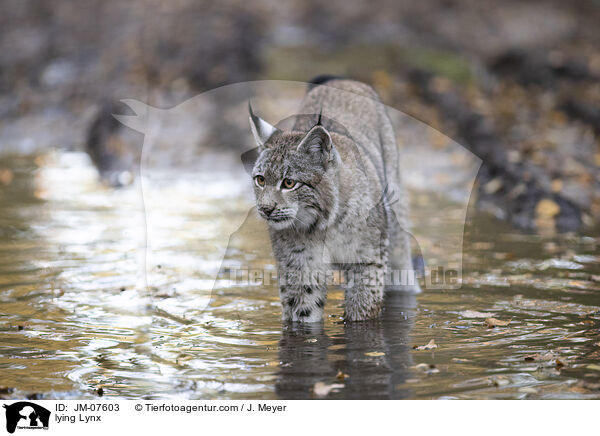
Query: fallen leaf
(540, 357)
(374, 354)
(559, 364)
(429, 346)
(475, 314)
(321, 389)
(340, 376)
(427, 368)
(493, 322)
(310, 341)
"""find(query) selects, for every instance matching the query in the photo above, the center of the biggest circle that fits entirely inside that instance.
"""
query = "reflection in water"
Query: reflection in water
(75, 316)
(374, 355)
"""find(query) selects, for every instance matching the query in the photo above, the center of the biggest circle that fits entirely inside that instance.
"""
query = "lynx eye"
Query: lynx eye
(260, 181)
(288, 183)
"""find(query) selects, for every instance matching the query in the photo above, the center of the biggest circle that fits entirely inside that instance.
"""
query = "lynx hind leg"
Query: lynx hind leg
(364, 291)
(402, 275)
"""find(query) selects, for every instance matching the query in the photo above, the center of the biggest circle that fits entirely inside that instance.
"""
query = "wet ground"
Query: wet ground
(76, 314)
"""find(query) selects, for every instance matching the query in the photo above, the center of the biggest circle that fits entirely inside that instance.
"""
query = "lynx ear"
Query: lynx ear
(261, 130)
(318, 142)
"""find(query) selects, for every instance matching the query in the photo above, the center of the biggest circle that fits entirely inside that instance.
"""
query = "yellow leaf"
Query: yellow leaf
(493, 322)
(430, 346)
(340, 376)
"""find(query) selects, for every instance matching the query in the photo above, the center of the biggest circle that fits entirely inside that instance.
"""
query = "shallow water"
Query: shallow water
(81, 307)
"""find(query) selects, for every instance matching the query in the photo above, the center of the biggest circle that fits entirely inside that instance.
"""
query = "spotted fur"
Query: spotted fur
(342, 157)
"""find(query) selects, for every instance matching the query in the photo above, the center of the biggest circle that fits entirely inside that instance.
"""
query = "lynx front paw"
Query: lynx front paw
(305, 316)
(302, 307)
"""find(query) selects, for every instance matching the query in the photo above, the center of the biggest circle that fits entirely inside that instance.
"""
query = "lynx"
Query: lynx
(331, 194)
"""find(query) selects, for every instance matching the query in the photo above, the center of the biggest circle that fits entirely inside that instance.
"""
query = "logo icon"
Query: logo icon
(26, 415)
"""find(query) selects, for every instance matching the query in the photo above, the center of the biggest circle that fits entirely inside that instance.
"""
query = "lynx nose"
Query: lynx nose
(266, 210)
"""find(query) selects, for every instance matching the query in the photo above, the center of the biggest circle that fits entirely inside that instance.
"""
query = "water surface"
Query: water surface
(82, 307)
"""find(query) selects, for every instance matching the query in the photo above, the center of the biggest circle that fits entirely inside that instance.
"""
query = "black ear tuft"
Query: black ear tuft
(319, 119)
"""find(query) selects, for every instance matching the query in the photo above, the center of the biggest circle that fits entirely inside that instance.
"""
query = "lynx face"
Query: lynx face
(292, 179)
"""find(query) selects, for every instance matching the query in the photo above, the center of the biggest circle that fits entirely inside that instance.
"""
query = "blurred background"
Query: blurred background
(84, 312)
(516, 82)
